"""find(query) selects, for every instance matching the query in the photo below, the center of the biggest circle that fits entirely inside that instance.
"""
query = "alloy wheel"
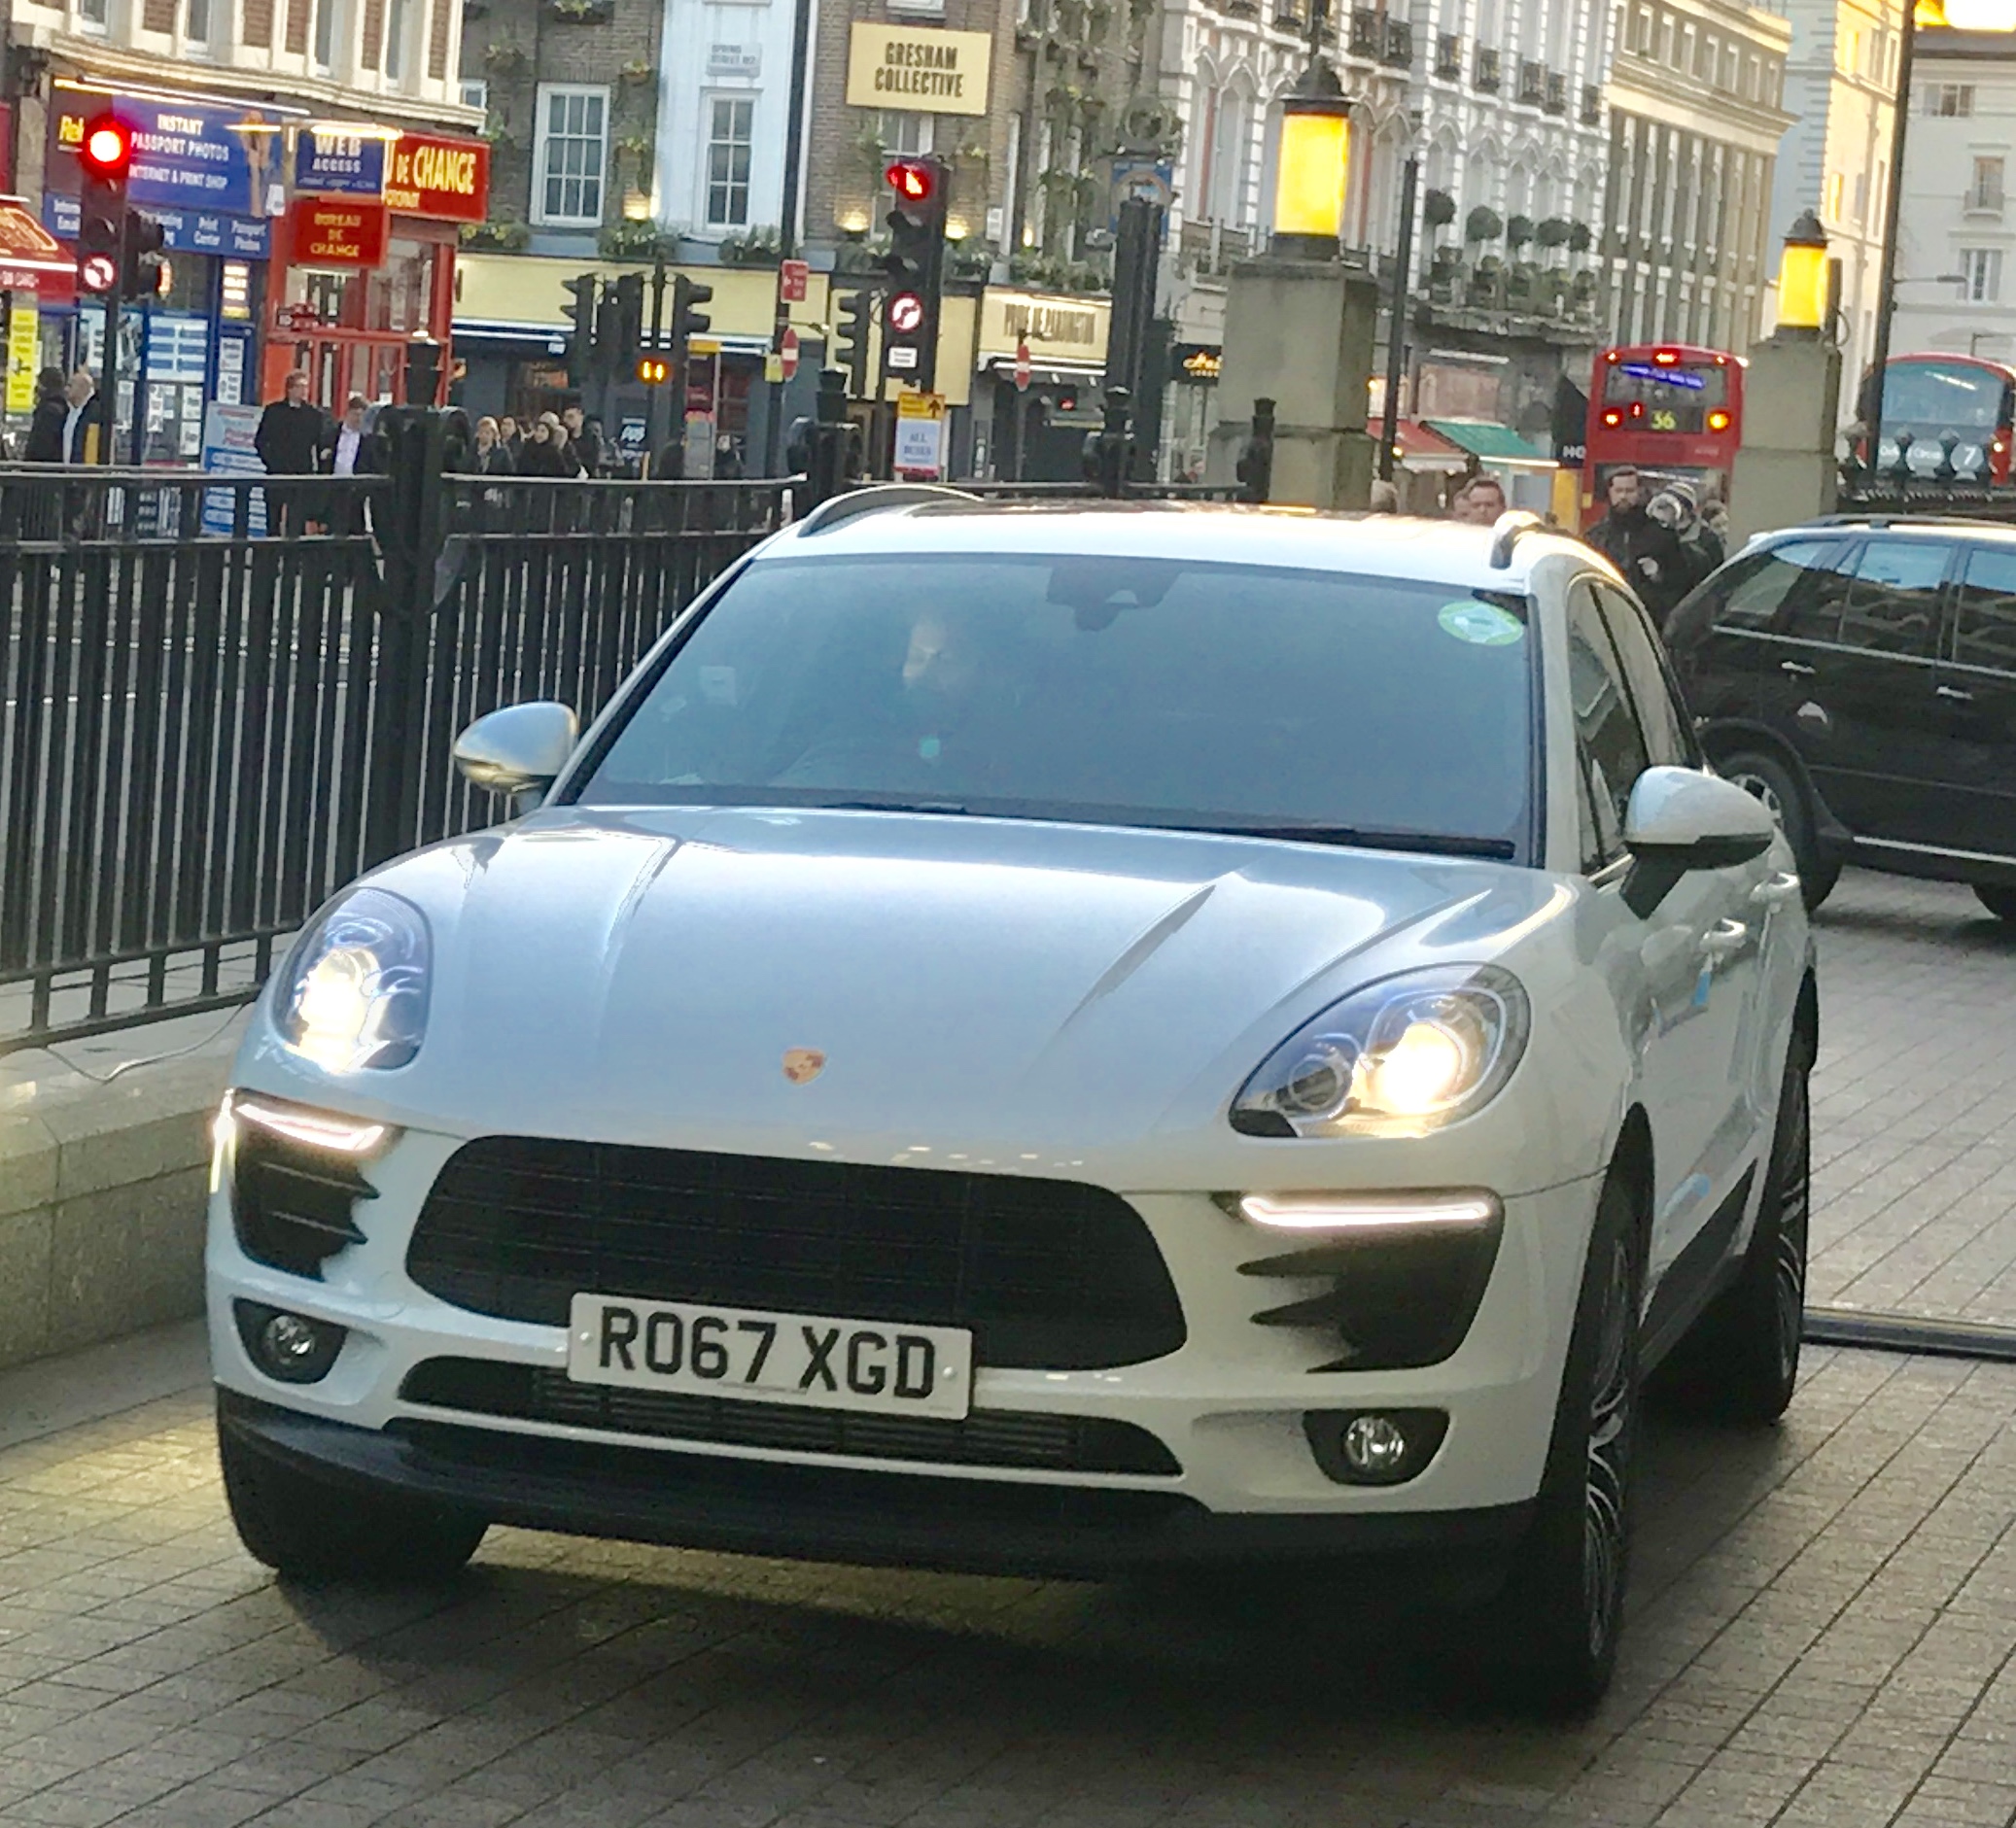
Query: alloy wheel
(1794, 1178)
(1613, 1397)
(1761, 790)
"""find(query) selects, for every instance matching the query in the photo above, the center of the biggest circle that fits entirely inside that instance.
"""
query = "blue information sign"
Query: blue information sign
(328, 162)
(184, 231)
(194, 155)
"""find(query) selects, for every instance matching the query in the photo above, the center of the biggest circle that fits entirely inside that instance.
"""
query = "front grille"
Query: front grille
(1047, 1274)
(529, 1393)
(739, 1491)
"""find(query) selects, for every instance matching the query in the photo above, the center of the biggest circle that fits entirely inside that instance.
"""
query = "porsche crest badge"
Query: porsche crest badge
(803, 1065)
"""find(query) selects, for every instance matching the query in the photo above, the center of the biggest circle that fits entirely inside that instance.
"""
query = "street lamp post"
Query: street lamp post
(1299, 321)
(1784, 470)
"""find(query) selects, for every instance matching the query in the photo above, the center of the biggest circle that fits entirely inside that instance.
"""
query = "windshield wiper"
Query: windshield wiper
(1371, 838)
(949, 809)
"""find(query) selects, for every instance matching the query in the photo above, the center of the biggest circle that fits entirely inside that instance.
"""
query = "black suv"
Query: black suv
(1858, 675)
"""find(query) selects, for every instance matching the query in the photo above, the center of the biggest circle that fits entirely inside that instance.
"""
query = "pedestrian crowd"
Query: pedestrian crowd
(1662, 537)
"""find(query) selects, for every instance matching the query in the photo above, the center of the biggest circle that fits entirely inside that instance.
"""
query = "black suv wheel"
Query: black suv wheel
(1999, 897)
(1768, 778)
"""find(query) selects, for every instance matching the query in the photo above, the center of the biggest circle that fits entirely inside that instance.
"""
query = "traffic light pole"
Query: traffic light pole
(787, 228)
(108, 379)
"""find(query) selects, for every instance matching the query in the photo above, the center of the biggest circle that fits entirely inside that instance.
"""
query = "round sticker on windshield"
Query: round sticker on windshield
(1480, 624)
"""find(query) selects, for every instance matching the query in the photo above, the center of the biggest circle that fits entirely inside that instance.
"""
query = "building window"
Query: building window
(731, 130)
(195, 25)
(92, 13)
(572, 154)
(905, 136)
(1985, 193)
(476, 92)
(1982, 268)
(326, 33)
(1952, 99)
(396, 26)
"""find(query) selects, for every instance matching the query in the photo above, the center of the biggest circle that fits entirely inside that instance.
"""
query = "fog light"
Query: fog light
(1372, 1444)
(289, 1347)
(1375, 1446)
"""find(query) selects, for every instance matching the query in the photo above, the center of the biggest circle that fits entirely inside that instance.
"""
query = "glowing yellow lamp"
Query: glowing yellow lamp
(1802, 279)
(1310, 172)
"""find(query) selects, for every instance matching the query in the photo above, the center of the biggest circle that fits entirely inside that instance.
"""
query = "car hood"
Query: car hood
(640, 974)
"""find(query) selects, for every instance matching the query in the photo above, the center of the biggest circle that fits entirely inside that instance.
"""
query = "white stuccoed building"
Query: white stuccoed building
(1840, 81)
(1956, 218)
(1502, 99)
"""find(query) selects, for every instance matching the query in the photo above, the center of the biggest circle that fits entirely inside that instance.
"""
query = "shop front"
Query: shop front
(511, 327)
(209, 170)
(37, 281)
(361, 294)
(1038, 363)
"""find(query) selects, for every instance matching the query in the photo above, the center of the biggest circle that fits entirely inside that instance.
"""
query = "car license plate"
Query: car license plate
(809, 1359)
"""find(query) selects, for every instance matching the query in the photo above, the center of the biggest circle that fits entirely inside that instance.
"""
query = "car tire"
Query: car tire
(1739, 1359)
(1766, 777)
(1559, 1615)
(1999, 897)
(316, 1530)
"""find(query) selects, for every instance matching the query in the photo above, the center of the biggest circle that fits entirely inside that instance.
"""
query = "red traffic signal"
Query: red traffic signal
(107, 149)
(911, 180)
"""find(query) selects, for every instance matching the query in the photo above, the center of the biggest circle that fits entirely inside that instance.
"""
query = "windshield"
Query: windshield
(1936, 393)
(1112, 691)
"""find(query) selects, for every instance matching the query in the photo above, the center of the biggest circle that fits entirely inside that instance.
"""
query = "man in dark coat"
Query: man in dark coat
(288, 440)
(1650, 556)
(51, 409)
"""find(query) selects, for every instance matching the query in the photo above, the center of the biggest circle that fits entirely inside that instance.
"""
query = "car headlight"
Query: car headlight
(1396, 1058)
(355, 994)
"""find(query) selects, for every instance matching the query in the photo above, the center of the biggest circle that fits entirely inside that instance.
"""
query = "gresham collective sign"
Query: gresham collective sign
(919, 69)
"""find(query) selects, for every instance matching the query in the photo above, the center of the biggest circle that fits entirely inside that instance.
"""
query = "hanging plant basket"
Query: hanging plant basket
(581, 12)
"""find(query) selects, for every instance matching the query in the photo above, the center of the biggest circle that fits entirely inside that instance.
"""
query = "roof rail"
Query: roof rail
(873, 499)
(1885, 517)
(1505, 535)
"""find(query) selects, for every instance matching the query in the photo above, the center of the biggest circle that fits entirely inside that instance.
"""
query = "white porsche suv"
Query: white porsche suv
(1057, 1040)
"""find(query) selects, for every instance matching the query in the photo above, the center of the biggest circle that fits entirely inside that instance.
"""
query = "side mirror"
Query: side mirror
(519, 750)
(1680, 819)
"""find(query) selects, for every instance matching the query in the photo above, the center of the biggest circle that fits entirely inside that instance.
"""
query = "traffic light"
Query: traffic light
(105, 157)
(422, 372)
(653, 370)
(579, 313)
(687, 323)
(143, 272)
(850, 338)
(626, 330)
(916, 266)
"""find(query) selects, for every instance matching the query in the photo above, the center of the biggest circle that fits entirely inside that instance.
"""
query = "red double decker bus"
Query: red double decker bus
(1668, 410)
(1931, 394)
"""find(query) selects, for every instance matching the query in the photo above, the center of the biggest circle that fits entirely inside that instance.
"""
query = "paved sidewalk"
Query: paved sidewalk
(1914, 1114)
(1821, 1633)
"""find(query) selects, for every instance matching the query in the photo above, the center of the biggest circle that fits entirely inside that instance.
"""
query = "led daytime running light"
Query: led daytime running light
(1367, 1212)
(349, 1136)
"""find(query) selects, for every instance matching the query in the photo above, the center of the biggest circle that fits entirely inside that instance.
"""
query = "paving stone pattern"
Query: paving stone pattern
(1914, 1111)
(1821, 1623)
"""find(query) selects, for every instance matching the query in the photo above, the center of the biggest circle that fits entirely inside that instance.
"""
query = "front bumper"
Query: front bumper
(834, 1513)
(1228, 1405)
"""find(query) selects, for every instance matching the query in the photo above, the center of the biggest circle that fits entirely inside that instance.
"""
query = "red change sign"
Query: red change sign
(340, 231)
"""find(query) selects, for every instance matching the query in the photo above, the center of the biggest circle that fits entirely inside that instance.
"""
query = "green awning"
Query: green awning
(1491, 443)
